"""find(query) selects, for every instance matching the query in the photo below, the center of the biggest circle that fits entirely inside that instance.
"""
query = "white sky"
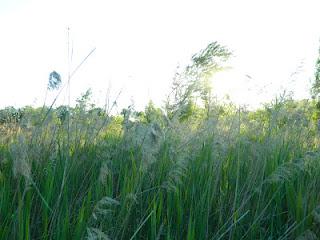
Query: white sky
(139, 44)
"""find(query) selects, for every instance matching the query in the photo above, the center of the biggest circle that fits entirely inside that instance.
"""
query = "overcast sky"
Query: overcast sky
(139, 44)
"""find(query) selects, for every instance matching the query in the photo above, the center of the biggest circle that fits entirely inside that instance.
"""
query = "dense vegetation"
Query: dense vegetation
(192, 170)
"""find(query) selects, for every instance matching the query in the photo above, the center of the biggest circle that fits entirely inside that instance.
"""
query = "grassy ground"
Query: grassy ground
(236, 175)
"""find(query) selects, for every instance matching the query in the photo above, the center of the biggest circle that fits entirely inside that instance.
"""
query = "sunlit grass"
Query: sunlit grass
(237, 175)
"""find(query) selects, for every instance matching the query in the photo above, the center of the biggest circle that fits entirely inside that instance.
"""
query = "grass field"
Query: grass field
(234, 175)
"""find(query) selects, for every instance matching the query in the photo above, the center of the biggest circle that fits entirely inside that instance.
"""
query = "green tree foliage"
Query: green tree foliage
(153, 114)
(316, 84)
(84, 101)
(315, 90)
(62, 113)
(10, 115)
(193, 83)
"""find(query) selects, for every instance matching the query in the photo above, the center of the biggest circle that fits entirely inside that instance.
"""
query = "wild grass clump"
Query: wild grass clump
(236, 174)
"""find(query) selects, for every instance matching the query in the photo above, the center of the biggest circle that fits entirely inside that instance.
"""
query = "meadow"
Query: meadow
(184, 171)
(237, 174)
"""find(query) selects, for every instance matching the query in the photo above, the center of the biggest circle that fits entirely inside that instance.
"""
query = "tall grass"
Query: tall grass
(236, 175)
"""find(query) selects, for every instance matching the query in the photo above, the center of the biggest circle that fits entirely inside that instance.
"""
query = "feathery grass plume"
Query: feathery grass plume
(176, 175)
(21, 162)
(104, 173)
(54, 81)
(312, 161)
(307, 235)
(287, 172)
(96, 234)
(146, 137)
(104, 207)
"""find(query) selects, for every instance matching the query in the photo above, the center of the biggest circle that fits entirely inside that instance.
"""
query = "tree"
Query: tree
(193, 82)
(62, 113)
(10, 115)
(153, 114)
(315, 90)
(83, 102)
